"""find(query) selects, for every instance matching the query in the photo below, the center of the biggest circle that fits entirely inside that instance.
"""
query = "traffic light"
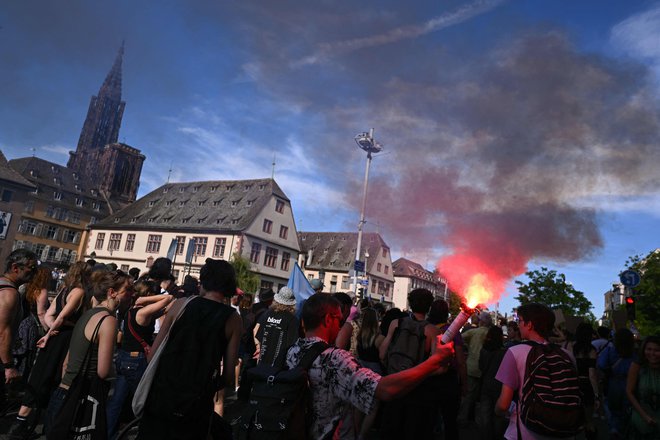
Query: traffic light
(361, 292)
(630, 307)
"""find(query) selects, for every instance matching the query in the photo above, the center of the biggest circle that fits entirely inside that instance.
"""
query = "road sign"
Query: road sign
(364, 282)
(630, 278)
(359, 266)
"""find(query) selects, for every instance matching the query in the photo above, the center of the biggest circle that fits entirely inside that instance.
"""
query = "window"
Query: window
(254, 253)
(266, 285)
(180, 243)
(201, 203)
(373, 287)
(69, 236)
(153, 243)
(200, 246)
(196, 188)
(113, 243)
(6, 195)
(28, 227)
(57, 195)
(247, 187)
(387, 269)
(213, 188)
(165, 190)
(50, 210)
(92, 220)
(130, 242)
(182, 189)
(279, 206)
(96, 206)
(268, 226)
(219, 247)
(50, 232)
(125, 268)
(379, 267)
(74, 218)
(100, 238)
(286, 258)
(79, 201)
(284, 232)
(270, 258)
(384, 253)
(261, 187)
(29, 207)
(234, 202)
(344, 282)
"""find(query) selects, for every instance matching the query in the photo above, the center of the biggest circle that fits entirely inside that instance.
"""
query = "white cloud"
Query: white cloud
(639, 36)
(58, 149)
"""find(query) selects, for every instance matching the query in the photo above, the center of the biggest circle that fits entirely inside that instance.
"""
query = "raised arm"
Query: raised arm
(145, 315)
(343, 339)
(8, 306)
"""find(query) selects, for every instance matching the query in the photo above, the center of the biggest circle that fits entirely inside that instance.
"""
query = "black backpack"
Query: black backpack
(280, 404)
(551, 402)
(407, 346)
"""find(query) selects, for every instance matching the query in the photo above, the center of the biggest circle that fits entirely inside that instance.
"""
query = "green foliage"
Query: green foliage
(246, 280)
(550, 288)
(647, 294)
(455, 301)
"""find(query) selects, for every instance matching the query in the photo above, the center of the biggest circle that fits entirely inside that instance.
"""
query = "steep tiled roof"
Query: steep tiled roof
(11, 175)
(51, 178)
(409, 269)
(219, 205)
(336, 250)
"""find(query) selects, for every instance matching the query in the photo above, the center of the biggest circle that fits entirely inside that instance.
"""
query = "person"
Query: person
(613, 364)
(277, 329)
(61, 317)
(33, 326)
(131, 360)
(452, 384)
(317, 285)
(209, 327)
(474, 339)
(603, 339)
(20, 267)
(336, 378)
(413, 416)
(585, 357)
(492, 352)
(346, 339)
(513, 334)
(643, 391)
(390, 315)
(161, 273)
(536, 323)
(110, 290)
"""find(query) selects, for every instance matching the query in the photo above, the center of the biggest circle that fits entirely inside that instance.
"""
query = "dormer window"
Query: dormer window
(185, 220)
(77, 187)
(79, 201)
(230, 187)
(165, 190)
(182, 189)
(117, 219)
(33, 173)
(151, 219)
(54, 169)
(234, 221)
(57, 180)
(75, 176)
(249, 202)
(57, 195)
(247, 187)
(93, 192)
(196, 188)
(216, 202)
(183, 202)
(261, 187)
(96, 206)
(201, 203)
(134, 220)
(213, 188)
(234, 202)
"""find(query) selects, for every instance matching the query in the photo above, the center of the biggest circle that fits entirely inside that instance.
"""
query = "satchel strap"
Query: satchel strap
(135, 334)
(88, 355)
(312, 353)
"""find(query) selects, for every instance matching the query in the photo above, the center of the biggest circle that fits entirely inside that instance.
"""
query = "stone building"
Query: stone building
(213, 219)
(331, 256)
(14, 190)
(99, 156)
(408, 276)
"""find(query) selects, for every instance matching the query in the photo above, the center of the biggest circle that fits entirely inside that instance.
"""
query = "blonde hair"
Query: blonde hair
(277, 307)
(77, 275)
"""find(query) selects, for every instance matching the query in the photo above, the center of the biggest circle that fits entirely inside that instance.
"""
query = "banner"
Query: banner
(190, 251)
(172, 249)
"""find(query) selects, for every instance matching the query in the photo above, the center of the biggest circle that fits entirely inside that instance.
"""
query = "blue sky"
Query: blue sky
(522, 131)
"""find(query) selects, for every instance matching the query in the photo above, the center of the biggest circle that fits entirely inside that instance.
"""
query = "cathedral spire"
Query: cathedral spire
(111, 87)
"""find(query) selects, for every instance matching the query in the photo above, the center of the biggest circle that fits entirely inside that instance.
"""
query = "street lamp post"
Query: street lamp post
(367, 143)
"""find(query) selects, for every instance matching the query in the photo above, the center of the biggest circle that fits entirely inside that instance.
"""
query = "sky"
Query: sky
(516, 134)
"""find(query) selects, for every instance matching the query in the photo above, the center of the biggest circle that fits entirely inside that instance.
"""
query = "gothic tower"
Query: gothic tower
(114, 167)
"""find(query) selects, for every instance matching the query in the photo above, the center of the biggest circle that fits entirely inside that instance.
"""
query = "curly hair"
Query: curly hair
(77, 275)
(39, 282)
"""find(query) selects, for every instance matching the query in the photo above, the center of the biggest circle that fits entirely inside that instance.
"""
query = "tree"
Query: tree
(647, 293)
(550, 288)
(246, 280)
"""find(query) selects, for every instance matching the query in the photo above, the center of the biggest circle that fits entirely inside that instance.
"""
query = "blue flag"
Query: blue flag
(190, 251)
(172, 249)
(300, 286)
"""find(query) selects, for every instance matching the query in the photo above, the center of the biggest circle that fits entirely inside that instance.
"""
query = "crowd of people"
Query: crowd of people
(173, 355)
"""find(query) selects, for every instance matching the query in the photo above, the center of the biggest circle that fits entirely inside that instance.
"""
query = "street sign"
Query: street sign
(630, 278)
(364, 282)
(359, 266)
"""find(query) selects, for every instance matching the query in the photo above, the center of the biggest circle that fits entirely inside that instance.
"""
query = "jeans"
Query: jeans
(54, 407)
(129, 372)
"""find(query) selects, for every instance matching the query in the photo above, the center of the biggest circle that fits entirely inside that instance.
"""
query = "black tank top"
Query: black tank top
(129, 341)
(59, 306)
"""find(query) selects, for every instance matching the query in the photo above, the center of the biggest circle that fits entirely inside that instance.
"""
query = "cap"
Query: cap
(317, 284)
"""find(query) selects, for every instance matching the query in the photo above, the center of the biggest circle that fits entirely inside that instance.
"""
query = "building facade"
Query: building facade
(189, 222)
(54, 217)
(331, 256)
(408, 276)
(14, 190)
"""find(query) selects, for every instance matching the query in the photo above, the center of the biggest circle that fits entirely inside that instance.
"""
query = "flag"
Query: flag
(300, 286)
(190, 251)
(172, 249)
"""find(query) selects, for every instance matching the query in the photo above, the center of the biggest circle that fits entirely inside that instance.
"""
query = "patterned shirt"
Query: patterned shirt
(336, 380)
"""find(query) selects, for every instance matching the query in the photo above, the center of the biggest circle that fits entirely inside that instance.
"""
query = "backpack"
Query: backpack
(188, 373)
(407, 346)
(551, 402)
(278, 331)
(280, 404)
